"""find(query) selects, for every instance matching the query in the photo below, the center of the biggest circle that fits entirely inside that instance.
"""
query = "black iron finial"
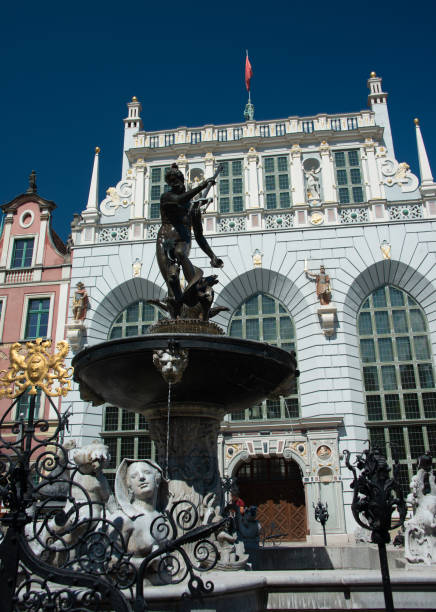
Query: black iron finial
(32, 182)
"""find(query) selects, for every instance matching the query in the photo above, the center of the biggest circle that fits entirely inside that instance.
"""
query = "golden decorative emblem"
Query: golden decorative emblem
(316, 218)
(36, 368)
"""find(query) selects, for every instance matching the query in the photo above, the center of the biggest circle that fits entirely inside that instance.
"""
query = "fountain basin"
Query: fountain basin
(223, 371)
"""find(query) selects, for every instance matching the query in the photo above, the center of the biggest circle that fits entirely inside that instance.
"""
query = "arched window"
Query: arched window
(398, 377)
(125, 432)
(264, 318)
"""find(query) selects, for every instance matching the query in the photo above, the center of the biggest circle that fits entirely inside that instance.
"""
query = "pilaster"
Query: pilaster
(327, 173)
(297, 179)
(6, 240)
(253, 184)
(209, 167)
(138, 209)
(45, 215)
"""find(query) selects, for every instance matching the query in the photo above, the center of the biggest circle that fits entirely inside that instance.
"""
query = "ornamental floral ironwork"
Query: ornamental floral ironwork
(405, 211)
(231, 224)
(353, 215)
(113, 234)
(277, 221)
(65, 545)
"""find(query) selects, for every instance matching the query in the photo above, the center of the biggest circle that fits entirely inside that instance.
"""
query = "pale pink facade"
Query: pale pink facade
(35, 270)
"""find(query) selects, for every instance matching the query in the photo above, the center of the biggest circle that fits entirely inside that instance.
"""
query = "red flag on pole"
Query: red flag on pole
(248, 72)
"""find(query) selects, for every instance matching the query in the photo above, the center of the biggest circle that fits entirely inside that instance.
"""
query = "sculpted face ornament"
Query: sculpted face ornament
(171, 362)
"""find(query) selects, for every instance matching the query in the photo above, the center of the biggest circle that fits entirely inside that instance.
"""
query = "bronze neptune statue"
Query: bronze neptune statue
(180, 214)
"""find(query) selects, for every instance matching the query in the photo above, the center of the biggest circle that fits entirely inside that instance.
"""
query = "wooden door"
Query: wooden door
(276, 488)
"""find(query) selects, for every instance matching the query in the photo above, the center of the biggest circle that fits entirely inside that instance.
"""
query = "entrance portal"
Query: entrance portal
(276, 488)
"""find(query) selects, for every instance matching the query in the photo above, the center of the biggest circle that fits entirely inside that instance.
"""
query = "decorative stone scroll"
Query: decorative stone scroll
(119, 196)
(395, 173)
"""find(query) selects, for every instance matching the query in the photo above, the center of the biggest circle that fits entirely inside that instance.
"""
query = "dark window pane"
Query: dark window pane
(355, 176)
(358, 194)
(382, 322)
(111, 443)
(407, 376)
(252, 306)
(286, 328)
(292, 407)
(426, 375)
(111, 418)
(431, 434)
(398, 448)
(400, 321)
(403, 349)
(416, 441)
(385, 349)
(340, 158)
(429, 401)
(255, 412)
(282, 164)
(365, 325)
(365, 303)
(127, 446)
(367, 350)
(404, 478)
(374, 408)
(379, 297)
(421, 347)
(238, 204)
(238, 415)
(417, 321)
(285, 199)
(116, 332)
(252, 329)
(144, 447)
(397, 298)
(236, 329)
(271, 201)
(377, 438)
(269, 329)
(388, 377)
(268, 163)
(370, 378)
(411, 405)
(353, 158)
(392, 404)
(341, 177)
(273, 409)
(270, 182)
(268, 305)
(128, 420)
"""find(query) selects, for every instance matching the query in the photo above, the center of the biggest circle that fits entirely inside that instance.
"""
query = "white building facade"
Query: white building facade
(294, 193)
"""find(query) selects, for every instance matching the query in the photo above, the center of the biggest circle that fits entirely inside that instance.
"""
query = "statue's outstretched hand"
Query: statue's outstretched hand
(216, 262)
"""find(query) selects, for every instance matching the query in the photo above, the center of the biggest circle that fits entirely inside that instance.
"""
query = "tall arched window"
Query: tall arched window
(125, 432)
(264, 318)
(398, 377)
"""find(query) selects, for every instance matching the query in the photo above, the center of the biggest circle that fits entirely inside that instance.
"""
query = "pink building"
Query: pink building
(35, 269)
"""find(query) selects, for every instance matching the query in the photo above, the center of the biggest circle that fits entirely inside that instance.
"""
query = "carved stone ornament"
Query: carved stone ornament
(136, 268)
(36, 368)
(385, 248)
(76, 332)
(316, 218)
(171, 362)
(257, 259)
(327, 316)
(395, 173)
(119, 196)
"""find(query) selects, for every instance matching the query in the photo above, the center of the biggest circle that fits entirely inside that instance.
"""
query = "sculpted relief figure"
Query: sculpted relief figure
(322, 280)
(139, 492)
(80, 302)
(180, 215)
(312, 185)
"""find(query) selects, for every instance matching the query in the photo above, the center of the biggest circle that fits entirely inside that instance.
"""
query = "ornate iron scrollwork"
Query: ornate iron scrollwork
(61, 548)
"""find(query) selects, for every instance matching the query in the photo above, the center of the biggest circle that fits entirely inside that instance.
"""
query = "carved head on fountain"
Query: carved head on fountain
(171, 362)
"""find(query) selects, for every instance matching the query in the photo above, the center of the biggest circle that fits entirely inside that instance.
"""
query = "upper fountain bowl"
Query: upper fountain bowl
(224, 371)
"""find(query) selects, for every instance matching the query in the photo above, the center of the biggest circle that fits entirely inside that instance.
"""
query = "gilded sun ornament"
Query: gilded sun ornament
(32, 365)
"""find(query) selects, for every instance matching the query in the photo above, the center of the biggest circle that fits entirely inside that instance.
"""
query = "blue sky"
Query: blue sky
(68, 70)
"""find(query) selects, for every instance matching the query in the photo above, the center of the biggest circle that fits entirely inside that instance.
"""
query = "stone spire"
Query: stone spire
(424, 164)
(32, 183)
(92, 204)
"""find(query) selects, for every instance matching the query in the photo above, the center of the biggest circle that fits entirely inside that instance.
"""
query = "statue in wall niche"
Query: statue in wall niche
(80, 302)
(420, 530)
(140, 494)
(181, 214)
(312, 185)
(136, 267)
(323, 291)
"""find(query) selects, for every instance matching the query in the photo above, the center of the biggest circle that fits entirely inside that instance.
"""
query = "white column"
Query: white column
(253, 185)
(328, 174)
(6, 240)
(138, 210)
(297, 178)
(373, 177)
